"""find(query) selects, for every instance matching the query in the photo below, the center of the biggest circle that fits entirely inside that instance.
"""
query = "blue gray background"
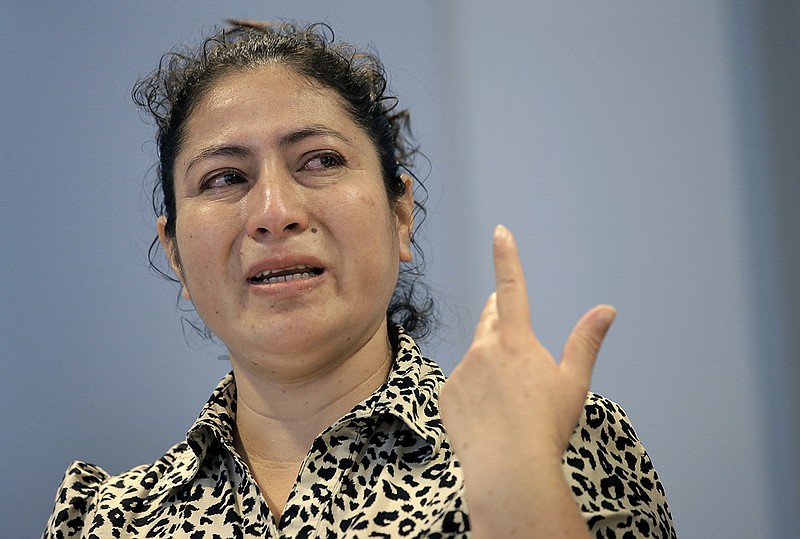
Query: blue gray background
(645, 154)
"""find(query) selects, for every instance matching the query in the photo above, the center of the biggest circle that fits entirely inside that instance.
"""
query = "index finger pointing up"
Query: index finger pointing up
(512, 294)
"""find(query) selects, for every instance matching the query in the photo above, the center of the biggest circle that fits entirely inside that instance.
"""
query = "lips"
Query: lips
(289, 273)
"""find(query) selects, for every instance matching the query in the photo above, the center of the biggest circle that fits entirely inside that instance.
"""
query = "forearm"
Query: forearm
(527, 502)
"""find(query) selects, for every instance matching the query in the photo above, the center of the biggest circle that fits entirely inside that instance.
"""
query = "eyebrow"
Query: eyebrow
(286, 140)
(315, 130)
(219, 151)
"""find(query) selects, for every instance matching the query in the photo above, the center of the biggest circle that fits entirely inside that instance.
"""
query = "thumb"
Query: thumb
(583, 344)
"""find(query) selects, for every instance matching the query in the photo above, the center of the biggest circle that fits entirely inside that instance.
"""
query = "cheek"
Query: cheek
(203, 242)
(375, 218)
(376, 239)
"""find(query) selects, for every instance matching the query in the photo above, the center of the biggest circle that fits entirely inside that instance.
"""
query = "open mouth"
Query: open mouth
(286, 274)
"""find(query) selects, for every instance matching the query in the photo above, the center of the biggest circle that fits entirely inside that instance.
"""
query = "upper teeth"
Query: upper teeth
(286, 274)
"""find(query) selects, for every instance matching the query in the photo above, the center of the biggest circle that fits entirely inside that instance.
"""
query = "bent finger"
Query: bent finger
(487, 323)
(583, 343)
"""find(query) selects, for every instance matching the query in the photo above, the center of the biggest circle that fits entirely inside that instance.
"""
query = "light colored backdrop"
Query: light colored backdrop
(632, 148)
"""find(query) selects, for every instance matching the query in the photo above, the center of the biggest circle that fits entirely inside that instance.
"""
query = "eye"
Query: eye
(222, 179)
(324, 161)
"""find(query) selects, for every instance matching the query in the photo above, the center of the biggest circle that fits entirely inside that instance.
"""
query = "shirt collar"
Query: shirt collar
(215, 422)
(409, 394)
(218, 414)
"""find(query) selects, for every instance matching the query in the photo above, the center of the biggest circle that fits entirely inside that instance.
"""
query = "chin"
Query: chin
(299, 341)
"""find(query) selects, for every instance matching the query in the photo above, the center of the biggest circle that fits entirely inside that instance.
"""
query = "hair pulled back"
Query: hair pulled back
(170, 94)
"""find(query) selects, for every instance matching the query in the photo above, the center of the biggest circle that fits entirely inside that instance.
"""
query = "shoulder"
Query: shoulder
(76, 500)
(89, 497)
(604, 422)
(612, 476)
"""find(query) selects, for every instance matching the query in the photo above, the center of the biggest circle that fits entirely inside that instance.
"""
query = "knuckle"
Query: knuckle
(479, 348)
(517, 340)
(588, 341)
(507, 281)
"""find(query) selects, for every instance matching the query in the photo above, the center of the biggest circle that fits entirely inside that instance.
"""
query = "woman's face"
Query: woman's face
(286, 242)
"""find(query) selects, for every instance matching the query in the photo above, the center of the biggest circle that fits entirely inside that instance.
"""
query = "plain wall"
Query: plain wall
(631, 147)
(647, 155)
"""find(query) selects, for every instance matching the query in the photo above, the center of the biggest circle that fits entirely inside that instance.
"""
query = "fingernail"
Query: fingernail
(500, 231)
(606, 317)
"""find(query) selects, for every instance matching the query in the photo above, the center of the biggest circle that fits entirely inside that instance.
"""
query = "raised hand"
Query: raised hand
(509, 408)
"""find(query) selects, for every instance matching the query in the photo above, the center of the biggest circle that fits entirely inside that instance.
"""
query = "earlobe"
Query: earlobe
(405, 219)
(171, 251)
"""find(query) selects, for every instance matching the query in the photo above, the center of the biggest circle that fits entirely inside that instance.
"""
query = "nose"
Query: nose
(275, 208)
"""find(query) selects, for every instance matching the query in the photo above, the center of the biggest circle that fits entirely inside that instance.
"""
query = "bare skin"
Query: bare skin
(276, 424)
(509, 409)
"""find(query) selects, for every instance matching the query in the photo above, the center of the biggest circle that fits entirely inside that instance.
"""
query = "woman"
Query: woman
(287, 218)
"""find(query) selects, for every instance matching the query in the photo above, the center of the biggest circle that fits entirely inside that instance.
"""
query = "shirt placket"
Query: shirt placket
(320, 479)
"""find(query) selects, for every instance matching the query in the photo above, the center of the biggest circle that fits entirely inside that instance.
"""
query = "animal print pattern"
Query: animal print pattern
(385, 470)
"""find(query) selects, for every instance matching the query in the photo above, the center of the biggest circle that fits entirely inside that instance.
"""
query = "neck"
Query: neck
(278, 419)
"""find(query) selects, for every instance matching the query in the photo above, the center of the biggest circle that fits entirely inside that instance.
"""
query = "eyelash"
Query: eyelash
(226, 175)
(339, 161)
(223, 175)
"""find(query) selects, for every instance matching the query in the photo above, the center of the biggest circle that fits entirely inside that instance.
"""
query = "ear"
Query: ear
(171, 250)
(405, 219)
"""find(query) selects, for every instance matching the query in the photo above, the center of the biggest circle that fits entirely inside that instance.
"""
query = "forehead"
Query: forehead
(266, 99)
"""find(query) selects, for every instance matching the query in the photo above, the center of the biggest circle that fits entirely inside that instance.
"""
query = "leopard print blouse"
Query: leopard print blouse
(384, 470)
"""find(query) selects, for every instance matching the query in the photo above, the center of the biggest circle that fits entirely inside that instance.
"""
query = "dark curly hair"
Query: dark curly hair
(171, 92)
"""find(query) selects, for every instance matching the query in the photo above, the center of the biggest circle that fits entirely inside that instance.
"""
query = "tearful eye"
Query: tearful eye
(223, 179)
(324, 162)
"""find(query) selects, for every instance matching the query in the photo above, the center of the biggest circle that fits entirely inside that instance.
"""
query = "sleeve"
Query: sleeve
(612, 477)
(75, 501)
